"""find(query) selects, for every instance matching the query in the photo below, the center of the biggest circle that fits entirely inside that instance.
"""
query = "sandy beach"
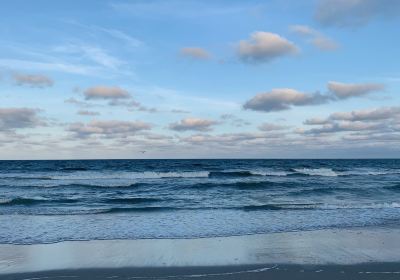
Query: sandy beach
(372, 253)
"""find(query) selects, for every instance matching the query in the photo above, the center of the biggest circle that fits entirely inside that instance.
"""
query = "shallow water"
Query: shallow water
(50, 201)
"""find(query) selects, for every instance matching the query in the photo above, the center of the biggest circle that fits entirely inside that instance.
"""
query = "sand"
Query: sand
(368, 253)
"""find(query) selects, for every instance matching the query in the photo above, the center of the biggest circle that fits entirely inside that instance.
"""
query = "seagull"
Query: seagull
(142, 152)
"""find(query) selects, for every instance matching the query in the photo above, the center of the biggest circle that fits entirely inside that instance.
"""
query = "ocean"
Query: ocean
(54, 201)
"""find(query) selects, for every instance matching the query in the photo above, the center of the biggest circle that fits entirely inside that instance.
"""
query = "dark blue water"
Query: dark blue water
(51, 201)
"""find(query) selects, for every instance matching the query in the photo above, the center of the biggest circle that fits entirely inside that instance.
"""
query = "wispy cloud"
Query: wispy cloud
(195, 53)
(182, 9)
(315, 37)
(345, 13)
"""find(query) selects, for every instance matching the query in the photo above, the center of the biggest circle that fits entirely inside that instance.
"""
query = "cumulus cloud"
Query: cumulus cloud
(283, 99)
(106, 92)
(264, 47)
(343, 91)
(193, 124)
(195, 53)
(344, 13)
(315, 37)
(110, 128)
(39, 81)
(14, 118)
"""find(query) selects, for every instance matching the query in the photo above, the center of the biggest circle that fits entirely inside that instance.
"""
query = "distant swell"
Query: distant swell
(138, 209)
(33, 201)
(26, 178)
(130, 200)
(74, 169)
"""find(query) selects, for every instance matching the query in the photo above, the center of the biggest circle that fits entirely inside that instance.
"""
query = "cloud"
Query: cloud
(32, 80)
(344, 13)
(382, 119)
(195, 53)
(187, 9)
(14, 118)
(49, 66)
(264, 47)
(79, 103)
(234, 120)
(105, 92)
(315, 37)
(179, 111)
(343, 91)
(192, 124)
(93, 53)
(271, 127)
(283, 99)
(344, 126)
(367, 115)
(88, 113)
(111, 128)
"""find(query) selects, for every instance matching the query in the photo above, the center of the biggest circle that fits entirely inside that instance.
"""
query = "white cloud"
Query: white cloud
(271, 127)
(32, 80)
(193, 124)
(88, 113)
(106, 92)
(283, 99)
(109, 128)
(315, 37)
(195, 53)
(93, 53)
(381, 120)
(343, 91)
(14, 118)
(264, 47)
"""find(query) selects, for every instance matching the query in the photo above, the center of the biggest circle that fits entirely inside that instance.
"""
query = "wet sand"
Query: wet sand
(292, 272)
(372, 253)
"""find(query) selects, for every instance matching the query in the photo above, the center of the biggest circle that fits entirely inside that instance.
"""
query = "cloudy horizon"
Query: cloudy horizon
(199, 79)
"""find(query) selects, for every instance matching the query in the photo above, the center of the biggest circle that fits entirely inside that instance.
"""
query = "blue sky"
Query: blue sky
(199, 79)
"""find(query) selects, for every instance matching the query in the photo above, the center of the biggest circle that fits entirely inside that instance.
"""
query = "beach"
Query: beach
(358, 253)
(213, 219)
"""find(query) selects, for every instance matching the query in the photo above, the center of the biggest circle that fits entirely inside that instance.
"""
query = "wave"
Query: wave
(320, 206)
(74, 169)
(232, 174)
(130, 200)
(279, 207)
(395, 187)
(312, 191)
(237, 185)
(328, 172)
(137, 209)
(26, 178)
(33, 201)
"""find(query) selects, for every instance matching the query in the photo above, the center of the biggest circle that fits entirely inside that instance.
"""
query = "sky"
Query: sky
(199, 79)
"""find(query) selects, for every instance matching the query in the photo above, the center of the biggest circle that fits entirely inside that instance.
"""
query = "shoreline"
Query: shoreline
(320, 248)
(378, 271)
